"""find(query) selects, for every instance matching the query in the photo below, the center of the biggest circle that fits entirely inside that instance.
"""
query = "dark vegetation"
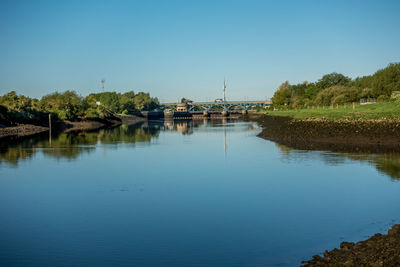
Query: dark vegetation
(16, 109)
(337, 89)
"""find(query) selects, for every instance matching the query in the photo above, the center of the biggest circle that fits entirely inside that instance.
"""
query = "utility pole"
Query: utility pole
(102, 84)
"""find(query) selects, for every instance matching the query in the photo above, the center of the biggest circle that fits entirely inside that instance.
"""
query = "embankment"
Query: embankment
(333, 135)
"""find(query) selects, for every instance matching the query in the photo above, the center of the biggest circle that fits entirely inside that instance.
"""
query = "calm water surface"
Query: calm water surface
(208, 193)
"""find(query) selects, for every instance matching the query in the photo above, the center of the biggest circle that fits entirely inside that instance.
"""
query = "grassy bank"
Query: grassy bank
(371, 111)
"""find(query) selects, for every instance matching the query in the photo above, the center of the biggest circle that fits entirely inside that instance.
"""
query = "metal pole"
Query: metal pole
(50, 128)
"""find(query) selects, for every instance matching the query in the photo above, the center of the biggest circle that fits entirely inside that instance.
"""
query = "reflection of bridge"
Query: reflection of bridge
(208, 106)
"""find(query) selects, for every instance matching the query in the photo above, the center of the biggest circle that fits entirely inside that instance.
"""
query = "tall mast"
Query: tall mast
(224, 90)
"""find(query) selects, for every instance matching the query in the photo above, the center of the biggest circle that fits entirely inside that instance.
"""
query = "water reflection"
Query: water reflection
(71, 144)
(387, 163)
(164, 190)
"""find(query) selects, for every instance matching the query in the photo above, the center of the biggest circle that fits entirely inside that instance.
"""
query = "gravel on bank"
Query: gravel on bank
(22, 130)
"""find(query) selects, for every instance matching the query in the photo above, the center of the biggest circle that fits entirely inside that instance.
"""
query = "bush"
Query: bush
(382, 98)
(337, 95)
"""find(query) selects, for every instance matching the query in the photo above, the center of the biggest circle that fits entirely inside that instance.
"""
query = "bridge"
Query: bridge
(220, 105)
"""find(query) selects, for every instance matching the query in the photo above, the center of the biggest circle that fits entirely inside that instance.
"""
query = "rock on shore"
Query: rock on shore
(379, 250)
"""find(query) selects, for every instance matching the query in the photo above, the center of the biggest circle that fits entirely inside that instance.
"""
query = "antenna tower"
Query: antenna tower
(102, 84)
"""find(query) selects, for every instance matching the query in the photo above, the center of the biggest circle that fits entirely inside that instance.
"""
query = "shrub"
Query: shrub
(382, 98)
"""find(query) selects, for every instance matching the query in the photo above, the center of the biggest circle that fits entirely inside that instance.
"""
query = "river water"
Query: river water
(203, 193)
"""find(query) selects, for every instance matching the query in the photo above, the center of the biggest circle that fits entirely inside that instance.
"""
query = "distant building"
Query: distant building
(369, 100)
(218, 100)
(182, 107)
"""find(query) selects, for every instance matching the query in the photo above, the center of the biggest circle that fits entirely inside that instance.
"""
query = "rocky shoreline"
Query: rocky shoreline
(366, 136)
(379, 250)
(335, 135)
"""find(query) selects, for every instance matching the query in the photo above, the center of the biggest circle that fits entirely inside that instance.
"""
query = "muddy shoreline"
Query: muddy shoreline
(22, 130)
(369, 136)
(25, 130)
(354, 136)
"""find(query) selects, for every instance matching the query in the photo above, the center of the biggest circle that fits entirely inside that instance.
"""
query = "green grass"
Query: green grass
(370, 111)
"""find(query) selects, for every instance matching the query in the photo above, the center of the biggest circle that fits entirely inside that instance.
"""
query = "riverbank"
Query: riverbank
(344, 135)
(379, 250)
(23, 130)
(85, 125)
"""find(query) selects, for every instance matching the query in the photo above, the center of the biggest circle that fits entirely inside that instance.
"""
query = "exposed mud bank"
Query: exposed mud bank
(334, 135)
(22, 130)
(85, 125)
(379, 250)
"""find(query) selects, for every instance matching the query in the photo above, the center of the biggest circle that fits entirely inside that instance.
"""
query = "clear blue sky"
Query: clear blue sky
(175, 49)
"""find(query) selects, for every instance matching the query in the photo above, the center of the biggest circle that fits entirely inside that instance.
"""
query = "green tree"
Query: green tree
(338, 94)
(282, 95)
(127, 101)
(332, 79)
(143, 101)
(385, 81)
(67, 105)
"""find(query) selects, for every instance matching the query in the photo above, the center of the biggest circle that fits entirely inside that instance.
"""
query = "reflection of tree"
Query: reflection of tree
(387, 163)
(390, 165)
(70, 145)
(12, 150)
(284, 149)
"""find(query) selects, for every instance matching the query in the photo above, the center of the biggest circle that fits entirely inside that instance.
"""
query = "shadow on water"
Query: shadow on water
(385, 162)
(70, 145)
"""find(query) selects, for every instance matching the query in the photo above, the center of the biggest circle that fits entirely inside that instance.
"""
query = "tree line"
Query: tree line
(335, 88)
(71, 106)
